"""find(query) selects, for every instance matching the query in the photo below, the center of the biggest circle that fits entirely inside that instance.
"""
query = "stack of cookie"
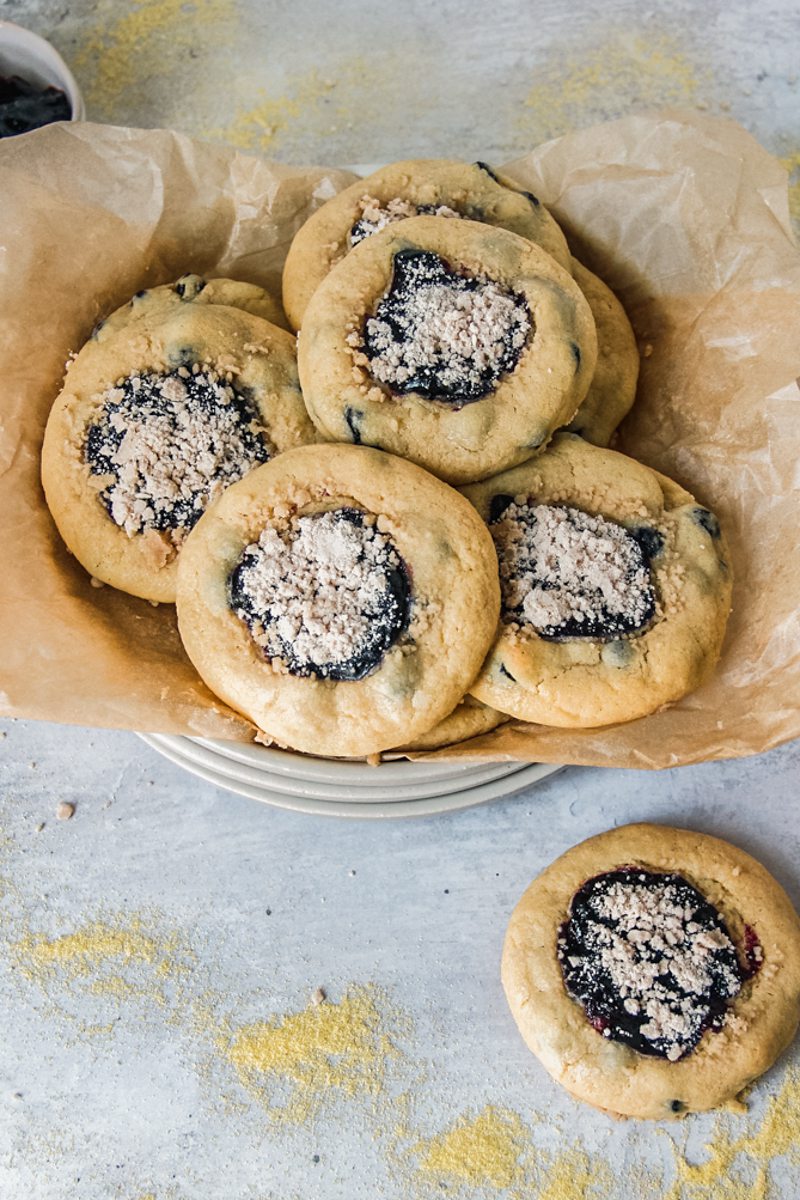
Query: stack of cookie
(331, 582)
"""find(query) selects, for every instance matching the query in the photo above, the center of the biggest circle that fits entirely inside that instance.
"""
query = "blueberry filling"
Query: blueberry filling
(325, 597)
(650, 960)
(444, 335)
(166, 445)
(498, 505)
(25, 106)
(571, 574)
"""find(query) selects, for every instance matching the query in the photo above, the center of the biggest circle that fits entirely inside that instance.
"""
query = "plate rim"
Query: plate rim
(513, 781)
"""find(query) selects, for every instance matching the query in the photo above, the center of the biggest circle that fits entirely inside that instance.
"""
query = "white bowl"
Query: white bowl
(30, 56)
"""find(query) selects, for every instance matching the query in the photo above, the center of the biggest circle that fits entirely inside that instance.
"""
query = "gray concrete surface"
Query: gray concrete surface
(143, 936)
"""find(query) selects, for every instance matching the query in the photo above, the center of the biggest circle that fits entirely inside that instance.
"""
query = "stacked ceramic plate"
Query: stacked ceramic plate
(331, 788)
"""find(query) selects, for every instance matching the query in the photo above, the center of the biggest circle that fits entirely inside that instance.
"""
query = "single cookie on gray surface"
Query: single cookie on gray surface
(341, 598)
(152, 423)
(654, 971)
(441, 187)
(454, 344)
(616, 588)
(613, 388)
(191, 289)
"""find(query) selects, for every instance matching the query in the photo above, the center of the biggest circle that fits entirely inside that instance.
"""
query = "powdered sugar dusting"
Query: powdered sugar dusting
(376, 216)
(650, 959)
(170, 445)
(571, 574)
(444, 334)
(325, 596)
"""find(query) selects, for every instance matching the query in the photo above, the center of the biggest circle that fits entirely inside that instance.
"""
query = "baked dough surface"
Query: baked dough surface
(468, 719)
(509, 424)
(613, 388)
(472, 190)
(257, 355)
(451, 565)
(581, 682)
(760, 1022)
(192, 289)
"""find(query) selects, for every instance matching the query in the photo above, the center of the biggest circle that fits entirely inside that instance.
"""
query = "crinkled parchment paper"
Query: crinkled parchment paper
(685, 217)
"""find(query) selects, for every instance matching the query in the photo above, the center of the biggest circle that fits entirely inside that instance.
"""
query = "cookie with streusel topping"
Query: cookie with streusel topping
(438, 187)
(613, 387)
(341, 598)
(654, 971)
(191, 289)
(454, 344)
(153, 422)
(616, 588)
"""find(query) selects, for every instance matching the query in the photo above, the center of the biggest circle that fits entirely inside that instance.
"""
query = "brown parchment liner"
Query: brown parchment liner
(686, 217)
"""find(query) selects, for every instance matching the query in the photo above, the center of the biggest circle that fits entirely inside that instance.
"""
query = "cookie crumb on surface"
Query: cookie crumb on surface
(65, 811)
(319, 995)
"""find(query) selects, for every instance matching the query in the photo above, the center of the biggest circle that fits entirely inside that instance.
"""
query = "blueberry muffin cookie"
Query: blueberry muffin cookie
(450, 343)
(153, 422)
(613, 387)
(437, 187)
(654, 971)
(468, 719)
(191, 289)
(340, 598)
(616, 588)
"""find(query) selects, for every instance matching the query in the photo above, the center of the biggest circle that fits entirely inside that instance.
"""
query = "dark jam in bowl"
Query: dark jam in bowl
(25, 106)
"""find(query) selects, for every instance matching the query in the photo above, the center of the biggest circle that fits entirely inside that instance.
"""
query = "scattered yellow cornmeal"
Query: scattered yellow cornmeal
(345, 1051)
(481, 1150)
(738, 1168)
(325, 1047)
(132, 43)
(619, 71)
(124, 960)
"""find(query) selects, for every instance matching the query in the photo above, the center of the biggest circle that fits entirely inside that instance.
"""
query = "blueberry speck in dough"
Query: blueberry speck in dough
(168, 445)
(353, 418)
(650, 960)
(570, 574)
(325, 598)
(447, 336)
(650, 540)
(706, 520)
(485, 167)
(498, 505)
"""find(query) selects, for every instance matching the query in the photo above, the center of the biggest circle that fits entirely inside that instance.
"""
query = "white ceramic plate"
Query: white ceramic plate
(474, 784)
(407, 781)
